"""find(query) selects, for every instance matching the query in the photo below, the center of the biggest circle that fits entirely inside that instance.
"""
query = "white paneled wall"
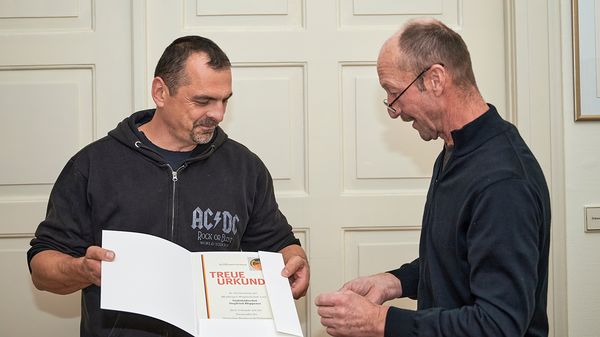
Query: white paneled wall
(269, 108)
(65, 80)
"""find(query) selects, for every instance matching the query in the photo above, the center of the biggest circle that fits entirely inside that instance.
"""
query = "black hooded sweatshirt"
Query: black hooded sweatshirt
(221, 198)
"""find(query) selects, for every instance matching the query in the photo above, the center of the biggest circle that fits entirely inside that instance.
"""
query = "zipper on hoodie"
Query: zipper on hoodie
(174, 179)
(174, 176)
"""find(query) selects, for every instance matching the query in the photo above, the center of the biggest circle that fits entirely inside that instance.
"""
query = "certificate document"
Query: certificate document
(235, 287)
(203, 293)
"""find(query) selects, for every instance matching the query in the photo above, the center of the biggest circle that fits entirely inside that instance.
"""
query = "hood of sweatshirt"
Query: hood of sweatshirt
(126, 133)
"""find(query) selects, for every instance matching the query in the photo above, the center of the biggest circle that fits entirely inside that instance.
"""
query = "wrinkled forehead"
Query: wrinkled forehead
(388, 54)
(390, 51)
(390, 71)
(386, 48)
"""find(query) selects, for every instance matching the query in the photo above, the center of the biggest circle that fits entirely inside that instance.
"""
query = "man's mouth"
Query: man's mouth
(406, 118)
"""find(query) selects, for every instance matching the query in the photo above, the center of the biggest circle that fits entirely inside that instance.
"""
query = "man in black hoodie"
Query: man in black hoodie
(169, 172)
(482, 268)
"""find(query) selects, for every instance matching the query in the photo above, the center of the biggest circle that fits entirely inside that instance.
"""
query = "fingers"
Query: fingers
(294, 264)
(299, 288)
(99, 254)
(297, 270)
(91, 264)
(349, 314)
(332, 332)
(326, 309)
(333, 299)
(376, 288)
(327, 315)
(92, 269)
(353, 285)
(326, 299)
(333, 308)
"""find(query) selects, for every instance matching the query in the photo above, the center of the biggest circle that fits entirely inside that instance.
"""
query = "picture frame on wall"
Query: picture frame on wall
(586, 60)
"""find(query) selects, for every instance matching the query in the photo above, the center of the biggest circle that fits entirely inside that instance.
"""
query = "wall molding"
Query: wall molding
(534, 79)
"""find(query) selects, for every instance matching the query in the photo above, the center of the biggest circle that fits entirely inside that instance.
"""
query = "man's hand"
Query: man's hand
(91, 263)
(376, 288)
(296, 269)
(347, 314)
(63, 274)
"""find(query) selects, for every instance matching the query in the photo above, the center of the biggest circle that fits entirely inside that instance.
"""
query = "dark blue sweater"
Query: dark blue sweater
(483, 257)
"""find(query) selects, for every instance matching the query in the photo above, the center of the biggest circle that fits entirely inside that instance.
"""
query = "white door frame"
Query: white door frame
(534, 37)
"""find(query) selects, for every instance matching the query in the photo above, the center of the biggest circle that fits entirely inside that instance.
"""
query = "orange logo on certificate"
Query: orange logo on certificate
(255, 264)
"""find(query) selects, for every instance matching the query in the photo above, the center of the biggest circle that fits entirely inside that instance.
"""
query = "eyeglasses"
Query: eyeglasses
(389, 105)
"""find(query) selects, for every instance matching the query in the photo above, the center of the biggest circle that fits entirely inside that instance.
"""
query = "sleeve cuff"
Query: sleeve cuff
(400, 322)
(409, 278)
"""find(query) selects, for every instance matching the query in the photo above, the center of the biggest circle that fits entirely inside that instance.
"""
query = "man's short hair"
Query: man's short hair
(423, 43)
(171, 66)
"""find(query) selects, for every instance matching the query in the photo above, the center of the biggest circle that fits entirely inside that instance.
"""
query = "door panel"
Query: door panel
(64, 81)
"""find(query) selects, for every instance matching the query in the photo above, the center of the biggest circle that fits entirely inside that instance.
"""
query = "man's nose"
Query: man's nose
(217, 112)
(394, 113)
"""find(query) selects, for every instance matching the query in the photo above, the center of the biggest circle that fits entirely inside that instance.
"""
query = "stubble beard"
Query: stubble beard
(200, 136)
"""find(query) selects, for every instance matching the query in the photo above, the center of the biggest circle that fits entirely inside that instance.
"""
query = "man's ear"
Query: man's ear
(160, 91)
(438, 78)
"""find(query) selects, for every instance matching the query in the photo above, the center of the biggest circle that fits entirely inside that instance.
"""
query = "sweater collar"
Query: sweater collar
(478, 131)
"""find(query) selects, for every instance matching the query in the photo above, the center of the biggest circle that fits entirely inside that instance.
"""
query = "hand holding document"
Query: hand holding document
(203, 293)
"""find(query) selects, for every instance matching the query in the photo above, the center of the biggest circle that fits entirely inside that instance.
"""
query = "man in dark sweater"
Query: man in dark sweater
(482, 268)
(170, 172)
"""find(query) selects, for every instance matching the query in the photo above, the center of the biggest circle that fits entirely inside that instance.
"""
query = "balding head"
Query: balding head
(421, 43)
(389, 52)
